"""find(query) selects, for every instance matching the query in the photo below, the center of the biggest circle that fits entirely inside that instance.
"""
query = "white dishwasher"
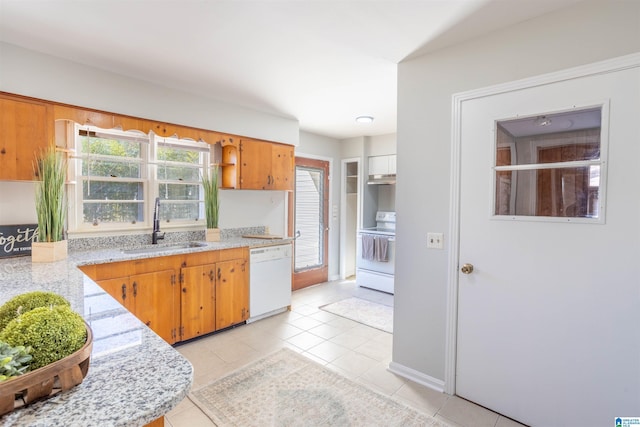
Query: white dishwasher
(270, 270)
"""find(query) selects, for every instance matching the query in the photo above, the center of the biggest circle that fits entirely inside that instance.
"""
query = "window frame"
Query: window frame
(148, 176)
(205, 149)
(602, 162)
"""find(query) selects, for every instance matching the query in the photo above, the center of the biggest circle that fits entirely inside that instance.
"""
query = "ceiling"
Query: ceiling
(322, 62)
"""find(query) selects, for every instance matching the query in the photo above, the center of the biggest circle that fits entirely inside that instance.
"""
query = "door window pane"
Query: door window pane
(309, 218)
(549, 166)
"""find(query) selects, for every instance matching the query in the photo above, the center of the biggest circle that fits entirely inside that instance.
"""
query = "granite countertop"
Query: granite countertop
(134, 376)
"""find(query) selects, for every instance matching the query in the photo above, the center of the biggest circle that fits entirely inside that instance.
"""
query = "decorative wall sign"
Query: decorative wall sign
(15, 240)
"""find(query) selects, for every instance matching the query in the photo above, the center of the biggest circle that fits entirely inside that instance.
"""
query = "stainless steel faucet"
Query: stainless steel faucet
(156, 235)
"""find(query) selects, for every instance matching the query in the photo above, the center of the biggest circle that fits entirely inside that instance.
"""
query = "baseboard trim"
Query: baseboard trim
(417, 377)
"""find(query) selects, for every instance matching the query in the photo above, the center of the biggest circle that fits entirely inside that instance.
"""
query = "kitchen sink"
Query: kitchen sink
(164, 248)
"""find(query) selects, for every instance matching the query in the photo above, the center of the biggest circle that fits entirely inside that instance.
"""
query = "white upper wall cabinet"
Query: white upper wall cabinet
(382, 165)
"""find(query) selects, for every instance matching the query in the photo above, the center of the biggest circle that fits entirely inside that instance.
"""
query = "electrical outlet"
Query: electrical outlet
(435, 240)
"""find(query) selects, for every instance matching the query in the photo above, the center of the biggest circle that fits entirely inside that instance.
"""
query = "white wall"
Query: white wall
(325, 148)
(252, 208)
(42, 76)
(587, 32)
(17, 203)
(30, 73)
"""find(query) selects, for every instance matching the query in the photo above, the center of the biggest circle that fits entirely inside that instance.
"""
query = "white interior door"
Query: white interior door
(549, 319)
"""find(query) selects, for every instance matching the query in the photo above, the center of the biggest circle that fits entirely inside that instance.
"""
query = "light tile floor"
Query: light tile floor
(350, 348)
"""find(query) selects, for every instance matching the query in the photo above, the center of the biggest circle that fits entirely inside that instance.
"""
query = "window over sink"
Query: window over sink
(118, 175)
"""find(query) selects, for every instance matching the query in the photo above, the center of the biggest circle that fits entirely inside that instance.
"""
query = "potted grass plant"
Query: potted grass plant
(51, 206)
(211, 204)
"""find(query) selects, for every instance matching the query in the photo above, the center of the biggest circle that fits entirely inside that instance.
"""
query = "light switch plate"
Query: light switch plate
(435, 240)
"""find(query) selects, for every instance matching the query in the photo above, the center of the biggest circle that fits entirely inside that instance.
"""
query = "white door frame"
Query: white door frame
(603, 67)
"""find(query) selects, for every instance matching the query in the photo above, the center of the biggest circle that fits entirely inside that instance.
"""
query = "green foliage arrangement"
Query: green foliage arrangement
(14, 361)
(52, 332)
(51, 201)
(27, 302)
(211, 200)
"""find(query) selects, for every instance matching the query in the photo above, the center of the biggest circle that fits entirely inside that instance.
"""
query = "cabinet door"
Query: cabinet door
(378, 165)
(282, 167)
(255, 158)
(393, 159)
(154, 304)
(25, 128)
(197, 301)
(119, 289)
(232, 293)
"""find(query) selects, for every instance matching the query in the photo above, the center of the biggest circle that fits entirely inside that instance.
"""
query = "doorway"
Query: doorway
(535, 287)
(310, 222)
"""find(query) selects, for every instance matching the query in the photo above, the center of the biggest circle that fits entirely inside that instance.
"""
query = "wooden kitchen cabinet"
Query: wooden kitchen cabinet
(282, 167)
(232, 293)
(181, 297)
(266, 166)
(214, 296)
(229, 162)
(26, 127)
(150, 297)
(197, 301)
(155, 302)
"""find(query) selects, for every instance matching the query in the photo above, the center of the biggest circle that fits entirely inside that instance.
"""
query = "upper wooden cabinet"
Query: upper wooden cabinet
(266, 165)
(229, 164)
(28, 124)
(26, 127)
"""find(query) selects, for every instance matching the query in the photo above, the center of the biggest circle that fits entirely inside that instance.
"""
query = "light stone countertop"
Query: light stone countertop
(134, 376)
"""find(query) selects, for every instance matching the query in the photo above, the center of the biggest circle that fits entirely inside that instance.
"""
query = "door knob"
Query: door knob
(467, 268)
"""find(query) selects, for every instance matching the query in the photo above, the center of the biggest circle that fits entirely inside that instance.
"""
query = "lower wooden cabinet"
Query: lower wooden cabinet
(197, 301)
(232, 296)
(214, 297)
(181, 297)
(150, 297)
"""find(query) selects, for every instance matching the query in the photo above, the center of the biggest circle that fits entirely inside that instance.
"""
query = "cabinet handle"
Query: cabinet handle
(218, 273)
(124, 292)
(211, 275)
(3, 151)
(135, 289)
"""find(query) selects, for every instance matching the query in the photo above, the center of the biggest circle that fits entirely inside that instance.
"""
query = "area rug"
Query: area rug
(288, 389)
(369, 313)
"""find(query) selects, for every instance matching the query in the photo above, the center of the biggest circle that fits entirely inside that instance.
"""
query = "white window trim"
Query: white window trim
(149, 178)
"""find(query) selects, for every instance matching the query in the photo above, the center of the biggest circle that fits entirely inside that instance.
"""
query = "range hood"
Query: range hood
(382, 179)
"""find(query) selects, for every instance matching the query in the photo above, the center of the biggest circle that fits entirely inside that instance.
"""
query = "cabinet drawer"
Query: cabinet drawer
(235, 253)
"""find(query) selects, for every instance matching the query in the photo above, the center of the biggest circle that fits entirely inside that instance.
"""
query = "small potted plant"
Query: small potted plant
(211, 204)
(51, 207)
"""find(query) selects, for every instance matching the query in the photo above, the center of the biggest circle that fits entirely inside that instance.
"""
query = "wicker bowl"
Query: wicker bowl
(48, 380)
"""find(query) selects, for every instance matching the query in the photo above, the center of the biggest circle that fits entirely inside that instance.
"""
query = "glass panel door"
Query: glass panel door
(309, 218)
(311, 222)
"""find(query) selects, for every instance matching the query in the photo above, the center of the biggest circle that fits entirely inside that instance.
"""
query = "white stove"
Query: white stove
(375, 254)
(385, 224)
